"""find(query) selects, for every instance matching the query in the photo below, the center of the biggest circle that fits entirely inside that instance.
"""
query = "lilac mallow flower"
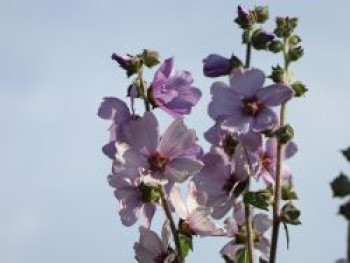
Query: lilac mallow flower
(151, 249)
(235, 227)
(222, 179)
(268, 161)
(245, 104)
(135, 195)
(118, 112)
(229, 138)
(171, 157)
(194, 215)
(216, 66)
(172, 90)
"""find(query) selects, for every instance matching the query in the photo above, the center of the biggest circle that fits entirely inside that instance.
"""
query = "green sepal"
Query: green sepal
(186, 244)
(341, 186)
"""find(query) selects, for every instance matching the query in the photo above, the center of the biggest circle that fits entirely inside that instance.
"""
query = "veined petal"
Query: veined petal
(261, 223)
(178, 203)
(179, 169)
(176, 140)
(265, 120)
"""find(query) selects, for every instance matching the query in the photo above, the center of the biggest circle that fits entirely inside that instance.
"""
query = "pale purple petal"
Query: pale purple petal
(179, 169)
(239, 213)
(290, 150)
(271, 148)
(238, 120)
(142, 133)
(224, 103)
(178, 203)
(151, 241)
(263, 248)
(261, 223)
(201, 223)
(265, 120)
(148, 212)
(114, 109)
(164, 72)
(251, 140)
(194, 198)
(110, 150)
(230, 249)
(275, 95)
(176, 140)
(246, 82)
(129, 215)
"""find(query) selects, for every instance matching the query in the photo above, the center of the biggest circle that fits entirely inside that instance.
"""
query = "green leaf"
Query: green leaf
(242, 256)
(185, 244)
(260, 199)
(341, 186)
(285, 227)
(288, 192)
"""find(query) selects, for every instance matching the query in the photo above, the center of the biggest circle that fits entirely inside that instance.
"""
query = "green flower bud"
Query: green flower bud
(295, 53)
(277, 74)
(276, 46)
(288, 192)
(149, 193)
(299, 88)
(150, 58)
(290, 214)
(294, 40)
(341, 186)
(260, 199)
(186, 244)
(284, 134)
(346, 154)
(285, 26)
(261, 14)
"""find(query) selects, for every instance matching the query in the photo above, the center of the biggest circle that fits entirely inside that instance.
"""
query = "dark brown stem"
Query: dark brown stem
(172, 224)
(278, 180)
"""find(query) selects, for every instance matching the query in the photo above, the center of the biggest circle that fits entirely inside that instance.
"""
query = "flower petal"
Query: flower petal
(261, 223)
(114, 109)
(142, 133)
(178, 203)
(246, 82)
(265, 120)
(176, 140)
(148, 212)
(201, 223)
(290, 150)
(275, 94)
(179, 169)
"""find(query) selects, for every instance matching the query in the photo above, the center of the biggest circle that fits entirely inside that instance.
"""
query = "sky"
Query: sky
(55, 67)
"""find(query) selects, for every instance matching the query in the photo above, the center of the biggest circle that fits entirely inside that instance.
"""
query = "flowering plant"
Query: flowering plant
(249, 141)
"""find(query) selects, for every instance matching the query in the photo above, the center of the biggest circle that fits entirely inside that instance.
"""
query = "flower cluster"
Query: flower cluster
(249, 141)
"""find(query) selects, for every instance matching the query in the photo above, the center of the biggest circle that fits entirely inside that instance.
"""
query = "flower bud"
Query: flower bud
(294, 40)
(284, 134)
(261, 14)
(260, 199)
(346, 154)
(261, 39)
(290, 214)
(277, 74)
(285, 26)
(341, 186)
(150, 58)
(276, 46)
(295, 53)
(344, 210)
(245, 18)
(216, 66)
(129, 63)
(299, 88)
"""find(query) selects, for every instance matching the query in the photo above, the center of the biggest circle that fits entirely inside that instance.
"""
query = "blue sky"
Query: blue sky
(55, 66)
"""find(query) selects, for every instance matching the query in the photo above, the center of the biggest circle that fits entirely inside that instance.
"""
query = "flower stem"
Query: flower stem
(276, 222)
(172, 224)
(143, 90)
(348, 256)
(247, 209)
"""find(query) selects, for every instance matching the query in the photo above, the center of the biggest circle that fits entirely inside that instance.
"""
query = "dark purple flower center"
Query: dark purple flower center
(157, 162)
(233, 184)
(229, 144)
(252, 106)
